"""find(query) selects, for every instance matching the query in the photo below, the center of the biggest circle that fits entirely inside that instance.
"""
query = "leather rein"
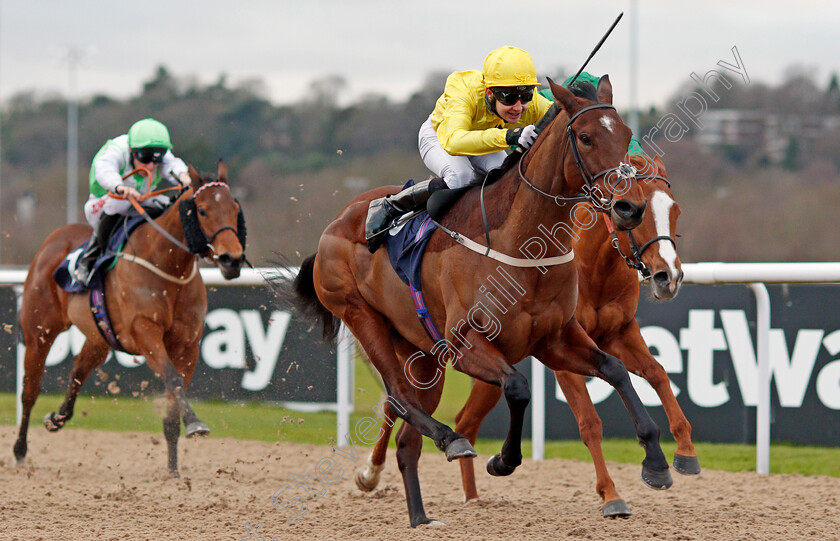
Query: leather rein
(624, 171)
(135, 202)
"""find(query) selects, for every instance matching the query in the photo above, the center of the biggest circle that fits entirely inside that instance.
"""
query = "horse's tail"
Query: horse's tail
(300, 292)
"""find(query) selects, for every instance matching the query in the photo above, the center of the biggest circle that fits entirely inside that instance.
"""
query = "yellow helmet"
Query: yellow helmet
(509, 66)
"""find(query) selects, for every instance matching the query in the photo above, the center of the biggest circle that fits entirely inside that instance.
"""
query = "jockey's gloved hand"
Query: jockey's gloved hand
(127, 191)
(522, 137)
(185, 178)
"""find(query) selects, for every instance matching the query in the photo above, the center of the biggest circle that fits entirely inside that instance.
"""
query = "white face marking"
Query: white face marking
(607, 122)
(661, 204)
(218, 197)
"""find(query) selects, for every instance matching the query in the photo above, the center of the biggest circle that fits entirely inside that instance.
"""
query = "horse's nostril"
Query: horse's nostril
(624, 208)
(662, 278)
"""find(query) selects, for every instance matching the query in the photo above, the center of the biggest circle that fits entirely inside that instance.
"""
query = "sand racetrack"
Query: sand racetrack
(81, 484)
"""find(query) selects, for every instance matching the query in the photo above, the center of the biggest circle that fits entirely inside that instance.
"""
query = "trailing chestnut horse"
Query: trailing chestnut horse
(608, 295)
(156, 310)
(487, 329)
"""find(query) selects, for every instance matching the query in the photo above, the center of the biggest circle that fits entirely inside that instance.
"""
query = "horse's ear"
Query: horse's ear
(564, 96)
(660, 165)
(194, 176)
(222, 172)
(605, 90)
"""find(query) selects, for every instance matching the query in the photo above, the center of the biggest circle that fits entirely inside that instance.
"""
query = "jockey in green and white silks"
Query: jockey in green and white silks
(147, 145)
(118, 156)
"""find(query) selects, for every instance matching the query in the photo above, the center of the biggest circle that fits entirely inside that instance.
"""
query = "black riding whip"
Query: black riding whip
(595, 50)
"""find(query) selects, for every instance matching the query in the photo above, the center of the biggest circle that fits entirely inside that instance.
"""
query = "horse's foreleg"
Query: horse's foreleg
(573, 350)
(371, 332)
(171, 432)
(631, 348)
(591, 433)
(184, 364)
(92, 355)
(485, 363)
(148, 336)
(483, 397)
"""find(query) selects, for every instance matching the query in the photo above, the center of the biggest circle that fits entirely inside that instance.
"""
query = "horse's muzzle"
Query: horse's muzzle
(664, 286)
(627, 215)
(230, 266)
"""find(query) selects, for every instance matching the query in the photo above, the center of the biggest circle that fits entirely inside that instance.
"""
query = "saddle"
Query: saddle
(63, 276)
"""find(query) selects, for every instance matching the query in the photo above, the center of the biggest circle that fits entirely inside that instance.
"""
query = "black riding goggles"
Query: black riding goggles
(510, 95)
(149, 154)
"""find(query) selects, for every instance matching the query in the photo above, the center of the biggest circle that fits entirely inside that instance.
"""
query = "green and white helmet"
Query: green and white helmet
(149, 133)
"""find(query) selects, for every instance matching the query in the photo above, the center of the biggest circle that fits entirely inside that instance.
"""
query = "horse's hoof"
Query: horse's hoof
(365, 484)
(686, 465)
(425, 521)
(197, 428)
(497, 467)
(617, 509)
(659, 480)
(460, 448)
(174, 474)
(53, 422)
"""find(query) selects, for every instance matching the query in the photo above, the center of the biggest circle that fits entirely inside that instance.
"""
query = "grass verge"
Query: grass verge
(267, 422)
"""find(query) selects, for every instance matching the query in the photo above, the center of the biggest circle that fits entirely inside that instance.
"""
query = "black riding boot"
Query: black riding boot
(382, 212)
(96, 246)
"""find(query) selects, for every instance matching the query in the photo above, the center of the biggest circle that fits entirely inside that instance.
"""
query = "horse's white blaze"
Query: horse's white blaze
(661, 204)
(607, 122)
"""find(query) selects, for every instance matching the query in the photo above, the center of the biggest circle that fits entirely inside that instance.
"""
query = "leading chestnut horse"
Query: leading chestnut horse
(470, 294)
(608, 295)
(157, 310)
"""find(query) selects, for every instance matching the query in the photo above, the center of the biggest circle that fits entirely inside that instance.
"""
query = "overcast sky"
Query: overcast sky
(388, 47)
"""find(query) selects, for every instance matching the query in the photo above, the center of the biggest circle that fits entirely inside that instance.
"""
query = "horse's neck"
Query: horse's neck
(162, 251)
(602, 269)
(532, 213)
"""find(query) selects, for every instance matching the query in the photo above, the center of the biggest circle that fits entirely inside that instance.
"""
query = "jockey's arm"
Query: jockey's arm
(457, 136)
(108, 165)
(174, 169)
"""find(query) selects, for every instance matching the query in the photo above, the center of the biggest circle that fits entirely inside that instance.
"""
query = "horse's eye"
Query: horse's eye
(585, 139)
(202, 212)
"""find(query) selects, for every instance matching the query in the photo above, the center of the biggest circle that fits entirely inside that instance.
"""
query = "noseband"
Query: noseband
(624, 171)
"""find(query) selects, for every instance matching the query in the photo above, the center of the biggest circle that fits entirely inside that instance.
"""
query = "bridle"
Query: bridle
(224, 227)
(590, 192)
(197, 242)
(634, 260)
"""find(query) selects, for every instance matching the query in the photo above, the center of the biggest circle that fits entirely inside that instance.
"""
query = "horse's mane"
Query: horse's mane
(585, 90)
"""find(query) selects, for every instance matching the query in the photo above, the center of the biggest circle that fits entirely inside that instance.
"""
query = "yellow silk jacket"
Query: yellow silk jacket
(464, 125)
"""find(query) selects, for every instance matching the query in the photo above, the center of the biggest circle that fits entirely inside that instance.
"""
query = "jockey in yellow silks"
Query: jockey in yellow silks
(479, 116)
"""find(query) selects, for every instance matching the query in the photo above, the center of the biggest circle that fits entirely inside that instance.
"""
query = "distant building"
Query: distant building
(767, 134)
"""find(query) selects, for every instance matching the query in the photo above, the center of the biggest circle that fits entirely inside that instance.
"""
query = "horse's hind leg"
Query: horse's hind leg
(483, 397)
(91, 356)
(409, 446)
(39, 334)
(591, 433)
(367, 476)
(630, 347)
(574, 351)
